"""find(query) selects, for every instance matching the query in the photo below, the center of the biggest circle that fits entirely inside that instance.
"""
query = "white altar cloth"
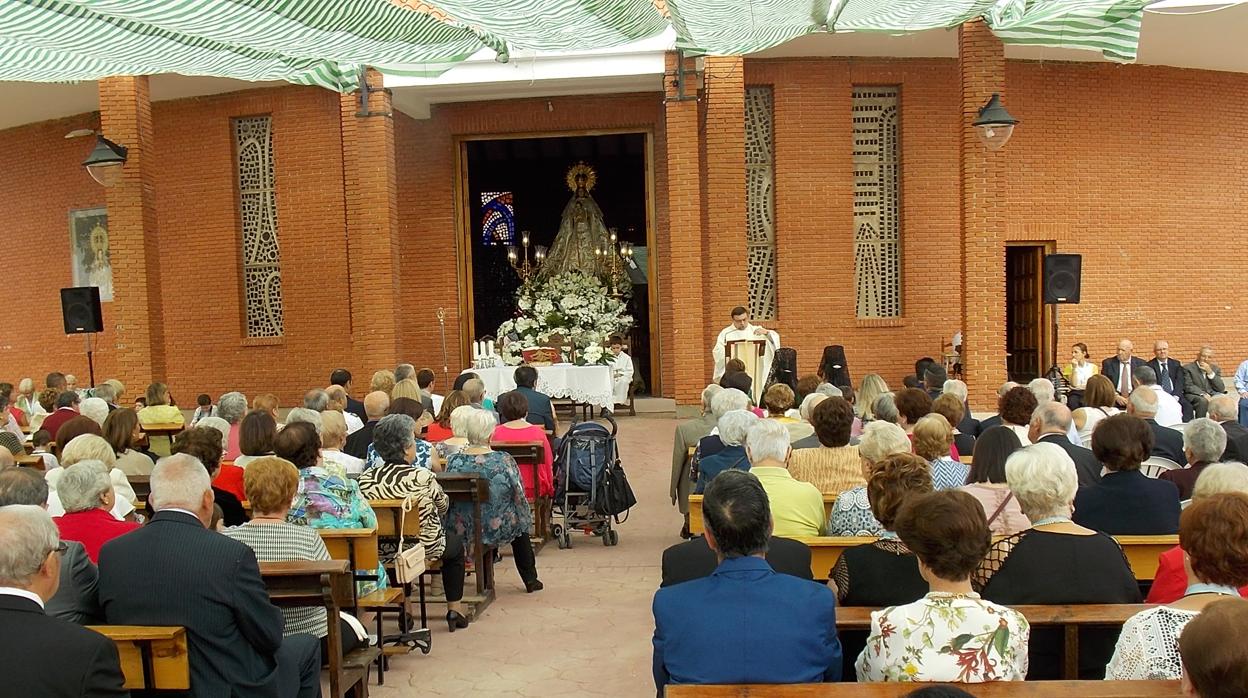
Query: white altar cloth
(586, 384)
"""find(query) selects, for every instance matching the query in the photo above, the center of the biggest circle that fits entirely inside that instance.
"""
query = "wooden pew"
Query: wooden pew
(529, 455)
(356, 545)
(998, 689)
(329, 584)
(29, 461)
(475, 490)
(142, 486)
(695, 511)
(152, 657)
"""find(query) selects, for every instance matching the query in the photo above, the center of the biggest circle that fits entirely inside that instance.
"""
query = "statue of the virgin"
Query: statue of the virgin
(581, 229)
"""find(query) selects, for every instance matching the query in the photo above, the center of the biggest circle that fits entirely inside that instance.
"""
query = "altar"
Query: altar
(585, 384)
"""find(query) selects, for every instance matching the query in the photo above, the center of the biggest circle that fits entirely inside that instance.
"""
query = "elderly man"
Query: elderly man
(108, 394)
(375, 405)
(1169, 413)
(1241, 387)
(338, 403)
(76, 598)
(1119, 370)
(725, 401)
(1203, 443)
(342, 377)
(1222, 409)
(474, 390)
(66, 409)
(687, 435)
(995, 420)
(541, 409)
(1043, 390)
(1051, 423)
(796, 506)
(1170, 376)
(1167, 442)
(176, 571)
(404, 371)
(1202, 381)
(84, 663)
(745, 623)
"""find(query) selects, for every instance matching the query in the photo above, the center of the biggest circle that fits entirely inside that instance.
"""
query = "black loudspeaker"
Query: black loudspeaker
(1061, 278)
(80, 308)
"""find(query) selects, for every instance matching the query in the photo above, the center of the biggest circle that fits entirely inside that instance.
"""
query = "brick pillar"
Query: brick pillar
(725, 284)
(690, 353)
(981, 66)
(134, 247)
(372, 228)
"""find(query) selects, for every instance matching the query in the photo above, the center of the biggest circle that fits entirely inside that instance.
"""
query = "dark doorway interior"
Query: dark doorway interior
(534, 170)
(1024, 312)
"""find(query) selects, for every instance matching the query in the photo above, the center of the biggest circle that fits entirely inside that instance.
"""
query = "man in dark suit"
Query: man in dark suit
(1167, 442)
(75, 599)
(541, 410)
(176, 571)
(1224, 409)
(1050, 424)
(41, 655)
(745, 623)
(694, 559)
(342, 376)
(1170, 375)
(375, 405)
(1203, 443)
(1119, 369)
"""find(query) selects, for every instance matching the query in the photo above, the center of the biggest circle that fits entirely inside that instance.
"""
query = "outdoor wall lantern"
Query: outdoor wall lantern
(105, 161)
(994, 125)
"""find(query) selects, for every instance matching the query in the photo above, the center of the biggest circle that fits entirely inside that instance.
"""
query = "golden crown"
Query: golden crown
(580, 169)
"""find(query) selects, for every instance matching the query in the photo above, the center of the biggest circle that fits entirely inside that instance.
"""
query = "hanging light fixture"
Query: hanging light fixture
(105, 161)
(994, 125)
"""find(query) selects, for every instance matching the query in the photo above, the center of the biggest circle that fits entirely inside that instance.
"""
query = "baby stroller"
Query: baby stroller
(585, 453)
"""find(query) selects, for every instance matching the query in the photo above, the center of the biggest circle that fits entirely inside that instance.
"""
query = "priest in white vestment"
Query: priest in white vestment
(742, 328)
(621, 371)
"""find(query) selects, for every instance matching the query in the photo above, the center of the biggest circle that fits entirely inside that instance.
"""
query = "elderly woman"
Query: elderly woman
(256, 435)
(26, 399)
(333, 438)
(835, 466)
(232, 407)
(933, 436)
(1015, 409)
(912, 405)
(851, 514)
(733, 427)
(1214, 533)
(91, 447)
(121, 430)
(86, 494)
(513, 408)
(76, 427)
(459, 434)
(440, 429)
(1170, 581)
(1098, 405)
(779, 402)
(382, 381)
(159, 410)
(1204, 442)
(506, 518)
(986, 481)
(205, 444)
(395, 441)
(1056, 561)
(951, 408)
(805, 412)
(324, 499)
(95, 408)
(229, 477)
(688, 434)
(885, 572)
(963, 638)
(1125, 501)
(270, 484)
(426, 456)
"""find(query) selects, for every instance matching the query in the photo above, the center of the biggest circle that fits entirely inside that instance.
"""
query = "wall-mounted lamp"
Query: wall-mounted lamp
(994, 124)
(105, 161)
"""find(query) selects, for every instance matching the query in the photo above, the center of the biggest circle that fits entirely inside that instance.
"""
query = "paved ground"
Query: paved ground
(588, 632)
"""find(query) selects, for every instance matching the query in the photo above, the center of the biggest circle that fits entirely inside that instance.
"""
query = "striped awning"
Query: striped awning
(1109, 26)
(558, 25)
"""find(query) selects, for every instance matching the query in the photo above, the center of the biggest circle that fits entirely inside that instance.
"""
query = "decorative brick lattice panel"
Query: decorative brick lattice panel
(262, 257)
(760, 202)
(877, 202)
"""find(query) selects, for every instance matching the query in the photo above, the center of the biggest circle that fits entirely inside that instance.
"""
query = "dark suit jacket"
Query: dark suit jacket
(1110, 366)
(427, 403)
(1087, 467)
(1175, 370)
(745, 623)
(1236, 441)
(1167, 442)
(1129, 503)
(985, 425)
(541, 410)
(45, 656)
(356, 408)
(968, 425)
(173, 571)
(694, 559)
(76, 598)
(358, 443)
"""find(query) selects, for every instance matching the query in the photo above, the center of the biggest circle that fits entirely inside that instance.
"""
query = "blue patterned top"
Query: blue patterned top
(328, 500)
(506, 516)
(851, 515)
(423, 449)
(948, 474)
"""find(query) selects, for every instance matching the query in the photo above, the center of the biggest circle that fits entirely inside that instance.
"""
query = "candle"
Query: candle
(525, 238)
(489, 347)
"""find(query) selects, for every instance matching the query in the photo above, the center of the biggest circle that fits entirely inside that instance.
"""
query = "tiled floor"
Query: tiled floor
(588, 632)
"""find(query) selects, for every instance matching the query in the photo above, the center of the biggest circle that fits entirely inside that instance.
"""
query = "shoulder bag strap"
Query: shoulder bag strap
(1000, 508)
(407, 506)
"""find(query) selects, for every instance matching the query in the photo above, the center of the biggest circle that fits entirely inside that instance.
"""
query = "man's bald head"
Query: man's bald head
(1143, 403)
(1052, 418)
(375, 404)
(6, 459)
(1224, 408)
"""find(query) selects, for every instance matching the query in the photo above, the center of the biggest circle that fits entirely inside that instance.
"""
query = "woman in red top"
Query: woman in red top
(440, 429)
(513, 407)
(86, 492)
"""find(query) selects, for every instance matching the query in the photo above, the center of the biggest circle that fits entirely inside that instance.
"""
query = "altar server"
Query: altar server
(621, 370)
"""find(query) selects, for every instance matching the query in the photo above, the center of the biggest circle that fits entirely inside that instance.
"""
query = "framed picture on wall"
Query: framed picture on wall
(88, 250)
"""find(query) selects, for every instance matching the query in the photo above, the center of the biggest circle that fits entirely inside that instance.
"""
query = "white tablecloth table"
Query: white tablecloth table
(585, 384)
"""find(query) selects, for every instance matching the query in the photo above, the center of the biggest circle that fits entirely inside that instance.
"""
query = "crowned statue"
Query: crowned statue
(583, 241)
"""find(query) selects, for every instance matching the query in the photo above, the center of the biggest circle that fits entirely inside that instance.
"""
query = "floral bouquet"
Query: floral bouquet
(574, 309)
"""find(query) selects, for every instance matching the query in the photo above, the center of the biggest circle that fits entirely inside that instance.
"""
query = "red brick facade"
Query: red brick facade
(1107, 162)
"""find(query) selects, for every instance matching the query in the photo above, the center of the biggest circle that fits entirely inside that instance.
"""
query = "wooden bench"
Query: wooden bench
(998, 689)
(142, 486)
(390, 519)
(152, 657)
(475, 490)
(696, 526)
(529, 455)
(329, 584)
(29, 461)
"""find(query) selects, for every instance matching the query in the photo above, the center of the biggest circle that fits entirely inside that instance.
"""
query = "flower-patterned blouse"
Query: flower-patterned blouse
(851, 515)
(506, 516)
(945, 637)
(327, 500)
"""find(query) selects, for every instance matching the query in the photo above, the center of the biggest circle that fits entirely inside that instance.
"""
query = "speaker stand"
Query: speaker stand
(1054, 373)
(90, 359)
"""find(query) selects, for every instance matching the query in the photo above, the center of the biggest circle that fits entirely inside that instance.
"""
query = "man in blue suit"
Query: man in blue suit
(745, 623)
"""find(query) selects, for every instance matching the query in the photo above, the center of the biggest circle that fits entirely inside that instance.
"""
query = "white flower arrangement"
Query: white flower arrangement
(574, 306)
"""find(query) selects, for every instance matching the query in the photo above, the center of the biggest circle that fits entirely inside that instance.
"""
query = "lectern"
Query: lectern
(751, 353)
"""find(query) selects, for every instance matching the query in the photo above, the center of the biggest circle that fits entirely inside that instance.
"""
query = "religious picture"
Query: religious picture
(88, 250)
(498, 218)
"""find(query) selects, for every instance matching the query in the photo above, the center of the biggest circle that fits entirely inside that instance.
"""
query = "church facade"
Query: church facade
(260, 238)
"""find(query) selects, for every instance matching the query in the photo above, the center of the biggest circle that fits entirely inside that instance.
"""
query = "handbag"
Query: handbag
(408, 564)
(612, 494)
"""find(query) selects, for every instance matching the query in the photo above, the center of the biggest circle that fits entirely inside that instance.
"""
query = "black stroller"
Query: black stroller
(585, 453)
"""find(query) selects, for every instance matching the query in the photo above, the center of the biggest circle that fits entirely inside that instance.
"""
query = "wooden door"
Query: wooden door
(1024, 311)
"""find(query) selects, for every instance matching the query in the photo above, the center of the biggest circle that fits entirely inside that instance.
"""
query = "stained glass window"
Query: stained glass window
(262, 258)
(498, 218)
(877, 202)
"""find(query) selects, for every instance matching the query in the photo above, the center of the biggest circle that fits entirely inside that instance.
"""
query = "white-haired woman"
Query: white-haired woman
(851, 514)
(459, 430)
(232, 407)
(1056, 561)
(91, 447)
(733, 427)
(1170, 582)
(333, 438)
(506, 518)
(796, 506)
(86, 494)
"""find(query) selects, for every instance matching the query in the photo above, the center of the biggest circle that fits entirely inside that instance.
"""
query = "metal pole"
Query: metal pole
(446, 369)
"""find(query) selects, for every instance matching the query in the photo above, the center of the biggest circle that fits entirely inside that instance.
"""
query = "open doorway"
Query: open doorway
(1028, 332)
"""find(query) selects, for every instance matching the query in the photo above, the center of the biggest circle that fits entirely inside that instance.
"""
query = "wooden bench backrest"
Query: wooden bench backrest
(1012, 689)
(152, 657)
(859, 617)
(325, 583)
(527, 454)
(356, 545)
(695, 511)
(390, 517)
(141, 484)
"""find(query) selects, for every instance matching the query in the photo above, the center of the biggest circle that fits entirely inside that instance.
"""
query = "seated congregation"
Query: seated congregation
(98, 528)
(972, 549)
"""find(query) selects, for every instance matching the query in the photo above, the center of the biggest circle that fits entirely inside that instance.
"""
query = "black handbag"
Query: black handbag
(612, 494)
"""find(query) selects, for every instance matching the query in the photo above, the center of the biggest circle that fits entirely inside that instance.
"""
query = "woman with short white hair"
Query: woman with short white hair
(1170, 582)
(506, 517)
(851, 514)
(86, 493)
(1055, 561)
(95, 408)
(232, 407)
(333, 438)
(733, 427)
(796, 506)
(1204, 441)
(91, 447)
(303, 414)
